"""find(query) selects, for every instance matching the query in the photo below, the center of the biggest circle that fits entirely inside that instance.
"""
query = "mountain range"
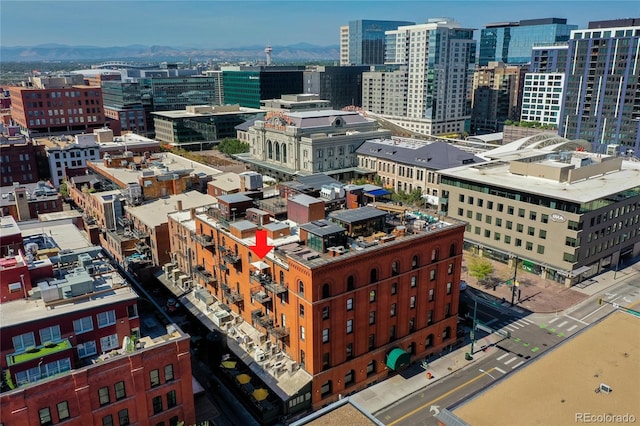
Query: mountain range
(59, 52)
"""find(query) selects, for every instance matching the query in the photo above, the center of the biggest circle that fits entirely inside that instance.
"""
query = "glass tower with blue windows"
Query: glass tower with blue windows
(367, 40)
(511, 42)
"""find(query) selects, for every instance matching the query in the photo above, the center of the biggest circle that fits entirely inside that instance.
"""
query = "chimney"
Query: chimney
(192, 210)
(179, 205)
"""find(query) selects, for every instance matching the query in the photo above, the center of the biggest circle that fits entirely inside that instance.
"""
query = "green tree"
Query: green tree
(231, 146)
(480, 268)
(64, 189)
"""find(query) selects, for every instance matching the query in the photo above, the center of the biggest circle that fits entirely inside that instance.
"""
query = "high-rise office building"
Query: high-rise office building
(344, 45)
(511, 42)
(601, 97)
(341, 86)
(437, 57)
(543, 84)
(248, 85)
(366, 41)
(497, 95)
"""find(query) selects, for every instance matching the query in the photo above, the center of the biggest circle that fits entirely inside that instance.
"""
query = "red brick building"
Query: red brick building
(348, 300)
(19, 161)
(25, 202)
(54, 105)
(74, 349)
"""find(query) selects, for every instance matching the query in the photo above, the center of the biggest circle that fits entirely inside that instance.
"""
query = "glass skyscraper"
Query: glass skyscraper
(511, 42)
(367, 40)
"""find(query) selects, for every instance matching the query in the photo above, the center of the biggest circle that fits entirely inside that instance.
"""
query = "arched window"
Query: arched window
(284, 153)
(269, 150)
(415, 262)
(434, 255)
(350, 283)
(452, 250)
(394, 268)
(374, 275)
(429, 342)
(300, 287)
(281, 277)
(326, 291)
(277, 151)
(446, 334)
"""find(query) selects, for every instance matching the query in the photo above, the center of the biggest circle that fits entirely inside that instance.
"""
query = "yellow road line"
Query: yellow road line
(444, 395)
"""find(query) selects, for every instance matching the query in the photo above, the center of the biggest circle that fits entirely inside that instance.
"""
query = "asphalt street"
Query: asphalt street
(526, 336)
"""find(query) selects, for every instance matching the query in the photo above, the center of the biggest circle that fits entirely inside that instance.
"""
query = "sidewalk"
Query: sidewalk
(538, 295)
(383, 395)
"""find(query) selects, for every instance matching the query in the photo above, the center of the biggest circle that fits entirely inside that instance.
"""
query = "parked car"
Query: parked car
(172, 305)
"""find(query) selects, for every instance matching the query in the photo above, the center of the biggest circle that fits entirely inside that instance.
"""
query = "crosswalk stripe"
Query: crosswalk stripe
(573, 327)
(527, 320)
(511, 360)
(517, 365)
(521, 323)
(511, 327)
(500, 370)
(562, 324)
(502, 356)
(554, 320)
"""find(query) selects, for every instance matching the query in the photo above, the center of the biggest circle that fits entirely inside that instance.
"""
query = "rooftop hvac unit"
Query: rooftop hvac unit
(175, 274)
(168, 268)
(186, 286)
(259, 355)
(183, 279)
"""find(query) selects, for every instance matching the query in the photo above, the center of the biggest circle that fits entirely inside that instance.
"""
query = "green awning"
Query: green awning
(398, 359)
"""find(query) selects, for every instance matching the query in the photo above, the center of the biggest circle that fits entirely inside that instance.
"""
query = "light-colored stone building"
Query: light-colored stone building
(565, 216)
(284, 145)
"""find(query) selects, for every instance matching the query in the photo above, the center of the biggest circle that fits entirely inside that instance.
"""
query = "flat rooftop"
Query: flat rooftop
(154, 213)
(109, 288)
(186, 114)
(497, 174)
(343, 412)
(557, 386)
(173, 164)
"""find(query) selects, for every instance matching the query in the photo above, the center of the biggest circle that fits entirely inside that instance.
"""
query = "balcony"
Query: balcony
(264, 321)
(36, 352)
(204, 275)
(204, 240)
(234, 297)
(223, 267)
(261, 296)
(142, 247)
(231, 258)
(259, 278)
(279, 332)
(275, 287)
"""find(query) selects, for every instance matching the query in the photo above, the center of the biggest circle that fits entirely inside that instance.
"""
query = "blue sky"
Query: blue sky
(237, 23)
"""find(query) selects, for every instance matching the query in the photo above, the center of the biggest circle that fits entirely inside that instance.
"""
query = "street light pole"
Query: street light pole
(513, 284)
(473, 325)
